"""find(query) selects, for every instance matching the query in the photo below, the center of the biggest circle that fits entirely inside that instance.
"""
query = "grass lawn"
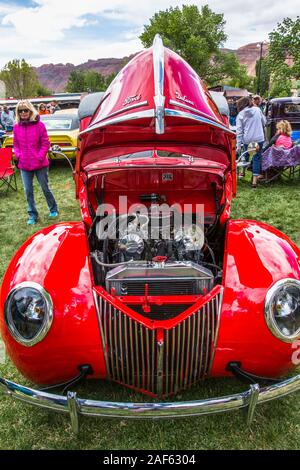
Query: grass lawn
(276, 424)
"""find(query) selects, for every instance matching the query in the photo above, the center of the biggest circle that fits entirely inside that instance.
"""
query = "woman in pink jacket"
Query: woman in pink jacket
(31, 145)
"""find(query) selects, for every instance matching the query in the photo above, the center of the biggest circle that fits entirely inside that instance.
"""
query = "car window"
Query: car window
(269, 111)
(60, 123)
(292, 108)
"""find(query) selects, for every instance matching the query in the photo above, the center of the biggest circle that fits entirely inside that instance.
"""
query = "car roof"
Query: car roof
(62, 112)
(287, 99)
(59, 116)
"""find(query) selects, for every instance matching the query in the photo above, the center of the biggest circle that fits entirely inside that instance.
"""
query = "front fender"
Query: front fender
(57, 258)
(256, 256)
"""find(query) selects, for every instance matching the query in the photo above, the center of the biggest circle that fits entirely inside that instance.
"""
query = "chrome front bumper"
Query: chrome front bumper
(75, 406)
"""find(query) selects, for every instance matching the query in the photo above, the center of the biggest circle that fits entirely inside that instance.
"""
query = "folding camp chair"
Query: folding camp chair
(281, 163)
(7, 170)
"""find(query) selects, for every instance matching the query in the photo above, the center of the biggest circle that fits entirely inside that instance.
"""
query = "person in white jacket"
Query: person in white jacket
(250, 125)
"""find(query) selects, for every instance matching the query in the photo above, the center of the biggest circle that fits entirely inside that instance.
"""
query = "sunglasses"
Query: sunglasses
(23, 111)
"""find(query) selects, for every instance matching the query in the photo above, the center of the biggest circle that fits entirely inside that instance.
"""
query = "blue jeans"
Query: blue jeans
(232, 120)
(256, 160)
(42, 177)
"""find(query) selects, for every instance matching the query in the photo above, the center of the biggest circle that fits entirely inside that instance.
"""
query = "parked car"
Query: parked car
(287, 109)
(157, 288)
(63, 130)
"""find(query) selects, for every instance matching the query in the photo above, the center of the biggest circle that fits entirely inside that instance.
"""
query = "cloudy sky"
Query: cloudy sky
(54, 31)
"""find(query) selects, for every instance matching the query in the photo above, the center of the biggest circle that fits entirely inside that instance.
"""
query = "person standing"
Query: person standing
(31, 145)
(1, 111)
(232, 111)
(7, 119)
(43, 110)
(250, 124)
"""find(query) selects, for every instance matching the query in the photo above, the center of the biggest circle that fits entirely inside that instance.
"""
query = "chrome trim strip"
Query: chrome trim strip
(47, 323)
(209, 335)
(126, 339)
(148, 374)
(198, 345)
(219, 299)
(159, 98)
(63, 149)
(100, 304)
(188, 363)
(193, 334)
(132, 106)
(149, 113)
(178, 354)
(202, 325)
(269, 317)
(194, 117)
(132, 351)
(184, 359)
(247, 399)
(142, 339)
(190, 108)
(153, 344)
(160, 367)
(137, 355)
(167, 343)
(115, 346)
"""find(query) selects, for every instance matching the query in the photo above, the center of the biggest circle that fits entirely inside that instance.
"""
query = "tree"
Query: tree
(197, 35)
(43, 91)
(263, 74)
(194, 34)
(230, 71)
(20, 79)
(281, 86)
(284, 57)
(76, 82)
(89, 80)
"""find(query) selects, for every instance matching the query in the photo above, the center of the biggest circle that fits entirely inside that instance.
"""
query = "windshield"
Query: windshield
(59, 124)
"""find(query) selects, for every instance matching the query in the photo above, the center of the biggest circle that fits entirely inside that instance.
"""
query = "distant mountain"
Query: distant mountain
(249, 54)
(55, 76)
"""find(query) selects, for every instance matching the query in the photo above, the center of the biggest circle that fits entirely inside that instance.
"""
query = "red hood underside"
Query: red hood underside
(204, 157)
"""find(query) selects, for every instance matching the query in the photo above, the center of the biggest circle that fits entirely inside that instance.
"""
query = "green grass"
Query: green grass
(276, 424)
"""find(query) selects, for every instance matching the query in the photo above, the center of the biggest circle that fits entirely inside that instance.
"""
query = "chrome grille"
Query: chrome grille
(159, 361)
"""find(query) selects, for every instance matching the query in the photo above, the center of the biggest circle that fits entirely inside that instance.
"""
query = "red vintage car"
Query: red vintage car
(157, 288)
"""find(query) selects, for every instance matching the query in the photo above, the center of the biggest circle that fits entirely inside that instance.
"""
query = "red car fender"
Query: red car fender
(256, 256)
(57, 258)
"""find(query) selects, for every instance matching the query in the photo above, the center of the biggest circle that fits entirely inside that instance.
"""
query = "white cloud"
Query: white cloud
(40, 33)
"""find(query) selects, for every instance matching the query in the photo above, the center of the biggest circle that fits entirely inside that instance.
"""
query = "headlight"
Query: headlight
(28, 313)
(282, 310)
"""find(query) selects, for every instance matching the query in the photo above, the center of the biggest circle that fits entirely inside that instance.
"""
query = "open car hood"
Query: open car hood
(157, 98)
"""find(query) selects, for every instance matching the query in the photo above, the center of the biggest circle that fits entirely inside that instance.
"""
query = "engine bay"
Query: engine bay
(156, 260)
